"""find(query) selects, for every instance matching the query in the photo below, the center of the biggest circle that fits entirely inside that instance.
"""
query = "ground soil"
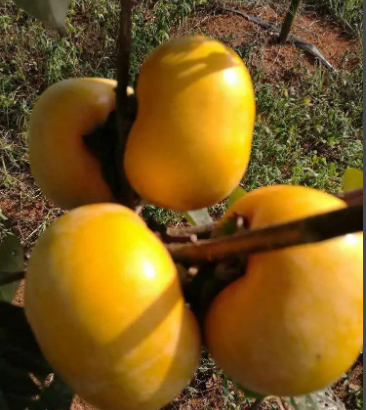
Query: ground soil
(26, 216)
(280, 61)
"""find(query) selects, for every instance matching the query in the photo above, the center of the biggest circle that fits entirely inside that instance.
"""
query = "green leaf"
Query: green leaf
(15, 328)
(248, 393)
(51, 12)
(227, 228)
(198, 218)
(352, 179)
(57, 396)
(16, 381)
(2, 216)
(235, 195)
(16, 402)
(21, 356)
(11, 260)
(3, 403)
(28, 362)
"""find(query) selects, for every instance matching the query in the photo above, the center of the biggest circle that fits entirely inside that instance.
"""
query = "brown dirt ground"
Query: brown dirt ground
(279, 61)
(27, 216)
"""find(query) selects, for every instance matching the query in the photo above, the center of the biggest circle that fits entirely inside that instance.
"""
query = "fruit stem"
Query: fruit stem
(303, 231)
(126, 195)
(124, 49)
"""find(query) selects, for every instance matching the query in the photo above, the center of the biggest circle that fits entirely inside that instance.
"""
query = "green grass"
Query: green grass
(308, 135)
(305, 134)
(349, 12)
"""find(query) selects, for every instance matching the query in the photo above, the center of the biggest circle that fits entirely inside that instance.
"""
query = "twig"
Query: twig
(354, 197)
(10, 277)
(124, 49)
(308, 230)
(289, 20)
(304, 231)
(126, 196)
(202, 232)
(308, 47)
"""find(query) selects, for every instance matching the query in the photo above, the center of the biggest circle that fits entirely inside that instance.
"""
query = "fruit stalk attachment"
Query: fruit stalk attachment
(303, 231)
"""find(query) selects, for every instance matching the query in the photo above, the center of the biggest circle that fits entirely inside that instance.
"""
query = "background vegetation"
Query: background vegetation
(309, 124)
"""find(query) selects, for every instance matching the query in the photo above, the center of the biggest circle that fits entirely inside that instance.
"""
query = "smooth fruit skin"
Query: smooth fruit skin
(105, 303)
(61, 164)
(191, 142)
(294, 323)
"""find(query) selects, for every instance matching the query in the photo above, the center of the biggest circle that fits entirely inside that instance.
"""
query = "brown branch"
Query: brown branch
(124, 50)
(10, 277)
(308, 230)
(124, 103)
(289, 20)
(354, 197)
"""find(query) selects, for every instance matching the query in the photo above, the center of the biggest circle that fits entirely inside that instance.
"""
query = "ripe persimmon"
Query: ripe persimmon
(191, 142)
(61, 164)
(294, 322)
(104, 300)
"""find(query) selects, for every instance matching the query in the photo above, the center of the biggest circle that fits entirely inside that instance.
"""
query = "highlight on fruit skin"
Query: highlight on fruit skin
(104, 300)
(60, 162)
(293, 323)
(190, 144)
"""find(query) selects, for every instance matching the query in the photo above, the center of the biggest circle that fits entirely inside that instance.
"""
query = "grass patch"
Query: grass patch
(348, 12)
(306, 133)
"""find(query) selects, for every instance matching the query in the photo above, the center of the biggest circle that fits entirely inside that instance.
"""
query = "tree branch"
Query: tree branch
(124, 105)
(124, 50)
(289, 19)
(354, 197)
(304, 231)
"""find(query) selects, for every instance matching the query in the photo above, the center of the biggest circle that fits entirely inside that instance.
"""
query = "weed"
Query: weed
(308, 135)
(349, 12)
(355, 400)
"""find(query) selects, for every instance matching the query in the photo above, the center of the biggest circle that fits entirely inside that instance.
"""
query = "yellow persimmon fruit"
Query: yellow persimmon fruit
(191, 142)
(105, 303)
(61, 164)
(294, 322)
